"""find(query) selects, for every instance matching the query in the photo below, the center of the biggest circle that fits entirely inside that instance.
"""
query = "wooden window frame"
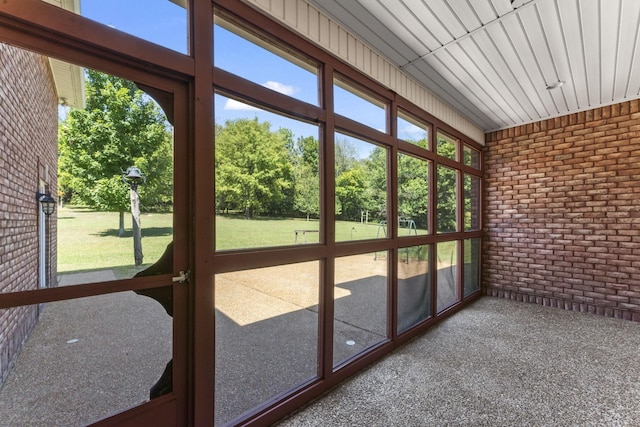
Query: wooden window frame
(35, 25)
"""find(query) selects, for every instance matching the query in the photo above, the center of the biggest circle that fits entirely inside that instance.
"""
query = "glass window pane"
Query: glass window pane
(446, 145)
(471, 266)
(413, 195)
(471, 202)
(361, 189)
(84, 128)
(360, 307)
(356, 105)
(266, 335)
(414, 286)
(412, 130)
(446, 199)
(89, 249)
(103, 214)
(84, 360)
(240, 53)
(163, 22)
(267, 178)
(447, 274)
(471, 157)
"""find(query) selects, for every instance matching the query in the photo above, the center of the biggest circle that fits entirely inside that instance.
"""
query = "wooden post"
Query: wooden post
(137, 232)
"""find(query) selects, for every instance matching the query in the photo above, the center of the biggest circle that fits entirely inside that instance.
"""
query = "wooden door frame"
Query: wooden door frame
(36, 26)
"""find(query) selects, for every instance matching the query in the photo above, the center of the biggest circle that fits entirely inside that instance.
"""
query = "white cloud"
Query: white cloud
(234, 105)
(412, 131)
(282, 88)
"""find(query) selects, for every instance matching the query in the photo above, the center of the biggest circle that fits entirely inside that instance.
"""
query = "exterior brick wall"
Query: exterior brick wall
(28, 155)
(562, 212)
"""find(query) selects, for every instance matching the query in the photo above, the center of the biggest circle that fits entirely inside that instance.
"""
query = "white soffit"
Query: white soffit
(69, 81)
(68, 78)
(493, 60)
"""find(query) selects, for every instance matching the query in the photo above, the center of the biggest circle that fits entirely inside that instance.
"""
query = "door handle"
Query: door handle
(181, 278)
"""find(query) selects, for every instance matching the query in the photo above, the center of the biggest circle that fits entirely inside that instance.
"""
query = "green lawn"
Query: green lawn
(88, 240)
(235, 232)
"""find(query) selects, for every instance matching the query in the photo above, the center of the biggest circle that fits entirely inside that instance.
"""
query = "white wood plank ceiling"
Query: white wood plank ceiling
(493, 59)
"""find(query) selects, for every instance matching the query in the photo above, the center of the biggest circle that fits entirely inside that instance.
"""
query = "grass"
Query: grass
(88, 240)
(235, 232)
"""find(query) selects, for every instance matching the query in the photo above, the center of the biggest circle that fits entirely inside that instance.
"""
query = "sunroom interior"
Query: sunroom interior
(331, 181)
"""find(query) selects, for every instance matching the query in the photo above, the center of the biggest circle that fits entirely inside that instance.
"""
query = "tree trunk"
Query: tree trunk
(121, 230)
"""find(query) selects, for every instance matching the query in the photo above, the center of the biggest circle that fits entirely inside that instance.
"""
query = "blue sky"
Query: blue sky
(165, 23)
(161, 22)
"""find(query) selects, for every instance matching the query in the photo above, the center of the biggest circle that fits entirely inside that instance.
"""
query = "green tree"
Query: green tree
(350, 192)
(413, 189)
(119, 127)
(253, 167)
(307, 195)
(307, 178)
(349, 180)
(446, 189)
(308, 149)
(346, 156)
(376, 183)
(413, 186)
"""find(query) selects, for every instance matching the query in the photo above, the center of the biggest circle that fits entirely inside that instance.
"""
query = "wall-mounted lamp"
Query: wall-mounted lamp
(47, 203)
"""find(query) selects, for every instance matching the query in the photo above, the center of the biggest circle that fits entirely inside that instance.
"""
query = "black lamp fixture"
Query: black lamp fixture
(133, 177)
(47, 203)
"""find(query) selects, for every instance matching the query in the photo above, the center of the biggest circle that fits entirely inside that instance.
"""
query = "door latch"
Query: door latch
(181, 278)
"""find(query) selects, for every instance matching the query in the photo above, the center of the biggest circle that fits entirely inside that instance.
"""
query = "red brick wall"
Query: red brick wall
(562, 212)
(28, 149)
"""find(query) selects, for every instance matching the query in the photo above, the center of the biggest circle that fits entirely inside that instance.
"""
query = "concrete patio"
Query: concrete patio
(87, 359)
(496, 363)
